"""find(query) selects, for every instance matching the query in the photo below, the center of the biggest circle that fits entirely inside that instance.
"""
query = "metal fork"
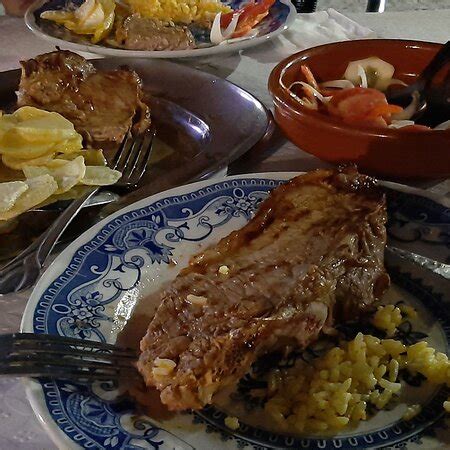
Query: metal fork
(59, 357)
(21, 273)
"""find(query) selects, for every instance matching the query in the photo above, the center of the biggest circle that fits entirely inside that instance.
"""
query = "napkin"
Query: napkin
(322, 27)
(308, 30)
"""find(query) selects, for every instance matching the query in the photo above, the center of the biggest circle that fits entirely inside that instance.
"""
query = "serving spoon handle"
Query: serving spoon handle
(424, 79)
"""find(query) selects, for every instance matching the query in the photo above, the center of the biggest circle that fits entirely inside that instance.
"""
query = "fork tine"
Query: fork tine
(133, 157)
(66, 361)
(61, 357)
(122, 151)
(126, 161)
(54, 338)
(31, 343)
(145, 153)
(63, 351)
(67, 372)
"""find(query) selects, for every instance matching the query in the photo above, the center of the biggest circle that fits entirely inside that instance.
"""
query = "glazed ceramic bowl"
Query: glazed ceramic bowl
(379, 151)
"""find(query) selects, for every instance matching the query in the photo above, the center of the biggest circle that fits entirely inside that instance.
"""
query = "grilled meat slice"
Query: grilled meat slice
(139, 33)
(102, 105)
(311, 256)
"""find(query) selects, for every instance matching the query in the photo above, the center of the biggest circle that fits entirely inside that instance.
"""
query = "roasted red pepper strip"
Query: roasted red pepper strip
(250, 15)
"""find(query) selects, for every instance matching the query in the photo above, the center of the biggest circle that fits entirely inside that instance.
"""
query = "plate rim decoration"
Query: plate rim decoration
(30, 22)
(42, 404)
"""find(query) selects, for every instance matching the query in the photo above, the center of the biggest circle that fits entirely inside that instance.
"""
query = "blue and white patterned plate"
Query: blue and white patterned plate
(91, 288)
(281, 16)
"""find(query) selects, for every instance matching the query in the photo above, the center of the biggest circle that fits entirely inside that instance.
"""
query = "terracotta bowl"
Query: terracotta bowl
(387, 152)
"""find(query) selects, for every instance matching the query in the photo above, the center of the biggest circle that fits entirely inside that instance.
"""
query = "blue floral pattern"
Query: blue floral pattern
(240, 204)
(112, 262)
(419, 224)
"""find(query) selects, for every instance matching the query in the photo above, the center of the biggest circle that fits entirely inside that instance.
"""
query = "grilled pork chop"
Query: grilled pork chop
(312, 256)
(102, 105)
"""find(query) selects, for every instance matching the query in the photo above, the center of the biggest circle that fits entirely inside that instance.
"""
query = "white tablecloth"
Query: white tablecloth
(18, 427)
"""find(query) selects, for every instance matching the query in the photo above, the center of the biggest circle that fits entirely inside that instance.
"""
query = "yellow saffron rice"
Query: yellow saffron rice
(179, 11)
(335, 390)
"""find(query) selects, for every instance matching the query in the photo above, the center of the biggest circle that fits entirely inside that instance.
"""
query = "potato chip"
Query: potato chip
(30, 133)
(56, 162)
(70, 145)
(100, 176)
(9, 193)
(19, 149)
(39, 189)
(92, 157)
(39, 125)
(22, 151)
(66, 173)
(48, 150)
(19, 163)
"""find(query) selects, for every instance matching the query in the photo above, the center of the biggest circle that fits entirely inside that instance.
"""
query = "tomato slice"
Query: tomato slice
(365, 106)
(250, 15)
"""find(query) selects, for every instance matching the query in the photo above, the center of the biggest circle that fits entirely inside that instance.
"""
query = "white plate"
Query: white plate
(90, 289)
(281, 16)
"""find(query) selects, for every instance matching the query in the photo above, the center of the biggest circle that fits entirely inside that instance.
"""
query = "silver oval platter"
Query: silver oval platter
(196, 137)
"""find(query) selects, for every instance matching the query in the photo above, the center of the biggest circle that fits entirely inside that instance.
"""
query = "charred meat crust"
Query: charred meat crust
(311, 256)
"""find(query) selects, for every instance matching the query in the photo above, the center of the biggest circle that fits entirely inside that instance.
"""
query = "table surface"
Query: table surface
(19, 429)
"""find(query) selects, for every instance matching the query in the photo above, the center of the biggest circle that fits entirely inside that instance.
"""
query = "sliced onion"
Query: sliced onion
(410, 110)
(401, 123)
(382, 84)
(310, 104)
(443, 126)
(304, 102)
(216, 35)
(312, 90)
(363, 76)
(342, 84)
